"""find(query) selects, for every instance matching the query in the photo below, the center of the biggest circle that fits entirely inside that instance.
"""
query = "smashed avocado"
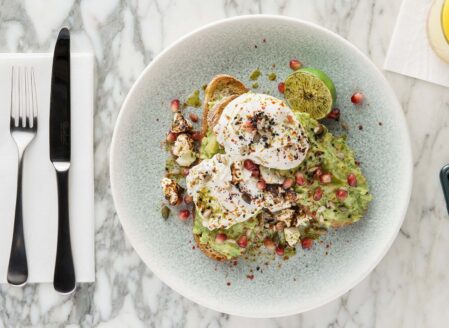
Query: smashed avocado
(332, 155)
(229, 248)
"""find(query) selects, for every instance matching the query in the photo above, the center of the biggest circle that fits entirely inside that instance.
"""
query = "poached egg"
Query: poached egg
(263, 129)
(218, 200)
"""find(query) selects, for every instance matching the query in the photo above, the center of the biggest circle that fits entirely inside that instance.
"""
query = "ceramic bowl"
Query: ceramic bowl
(376, 130)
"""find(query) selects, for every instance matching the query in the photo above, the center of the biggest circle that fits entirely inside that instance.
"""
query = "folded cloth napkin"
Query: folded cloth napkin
(410, 52)
(39, 180)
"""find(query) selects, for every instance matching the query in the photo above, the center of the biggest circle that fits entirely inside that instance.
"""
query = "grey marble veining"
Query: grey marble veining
(407, 289)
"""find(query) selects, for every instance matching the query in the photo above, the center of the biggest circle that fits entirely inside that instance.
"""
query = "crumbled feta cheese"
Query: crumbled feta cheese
(183, 149)
(292, 235)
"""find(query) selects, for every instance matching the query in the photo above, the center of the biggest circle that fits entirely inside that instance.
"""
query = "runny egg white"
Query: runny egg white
(263, 129)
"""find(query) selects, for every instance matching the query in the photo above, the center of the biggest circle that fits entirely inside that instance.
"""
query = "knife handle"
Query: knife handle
(64, 277)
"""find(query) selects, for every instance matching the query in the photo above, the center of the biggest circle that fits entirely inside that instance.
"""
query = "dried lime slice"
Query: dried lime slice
(311, 91)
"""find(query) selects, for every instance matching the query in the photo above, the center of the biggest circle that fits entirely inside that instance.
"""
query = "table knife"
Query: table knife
(64, 274)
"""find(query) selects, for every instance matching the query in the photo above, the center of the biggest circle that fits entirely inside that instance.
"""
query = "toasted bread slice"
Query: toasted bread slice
(220, 89)
(215, 112)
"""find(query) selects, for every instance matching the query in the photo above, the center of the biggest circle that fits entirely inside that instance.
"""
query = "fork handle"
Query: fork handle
(64, 276)
(18, 267)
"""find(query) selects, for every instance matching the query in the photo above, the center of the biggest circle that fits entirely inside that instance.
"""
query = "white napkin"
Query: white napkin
(39, 180)
(410, 52)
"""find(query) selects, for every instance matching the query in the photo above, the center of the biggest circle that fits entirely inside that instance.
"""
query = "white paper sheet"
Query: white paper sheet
(410, 52)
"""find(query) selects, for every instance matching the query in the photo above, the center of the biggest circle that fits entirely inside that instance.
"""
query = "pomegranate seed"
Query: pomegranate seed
(261, 184)
(242, 241)
(268, 243)
(352, 180)
(193, 117)
(288, 183)
(341, 194)
(185, 171)
(255, 173)
(197, 135)
(171, 137)
(184, 215)
(318, 194)
(307, 243)
(334, 114)
(280, 251)
(357, 98)
(318, 173)
(281, 87)
(221, 238)
(174, 105)
(249, 165)
(188, 199)
(300, 180)
(295, 64)
(326, 178)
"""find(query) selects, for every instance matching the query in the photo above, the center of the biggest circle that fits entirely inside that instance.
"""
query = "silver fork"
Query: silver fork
(23, 127)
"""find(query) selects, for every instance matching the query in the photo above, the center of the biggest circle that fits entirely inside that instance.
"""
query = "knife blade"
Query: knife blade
(60, 100)
(60, 143)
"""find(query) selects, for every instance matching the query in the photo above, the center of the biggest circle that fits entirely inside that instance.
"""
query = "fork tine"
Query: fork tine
(21, 98)
(23, 113)
(29, 99)
(17, 96)
(25, 99)
(13, 114)
(34, 98)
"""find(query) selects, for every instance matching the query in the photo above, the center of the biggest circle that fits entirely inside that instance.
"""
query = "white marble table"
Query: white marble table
(409, 288)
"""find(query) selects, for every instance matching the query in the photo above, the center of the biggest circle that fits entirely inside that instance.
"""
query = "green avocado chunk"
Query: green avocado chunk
(210, 146)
